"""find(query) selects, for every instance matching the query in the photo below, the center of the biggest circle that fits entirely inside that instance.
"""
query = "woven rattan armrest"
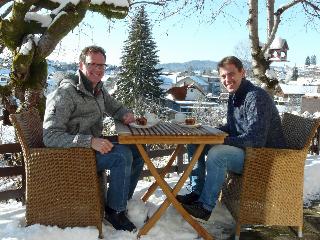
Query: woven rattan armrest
(267, 164)
(261, 155)
(67, 162)
(63, 187)
(272, 177)
(69, 152)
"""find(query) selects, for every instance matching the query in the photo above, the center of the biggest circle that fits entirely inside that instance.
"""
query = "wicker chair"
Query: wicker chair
(270, 190)
(62, 186)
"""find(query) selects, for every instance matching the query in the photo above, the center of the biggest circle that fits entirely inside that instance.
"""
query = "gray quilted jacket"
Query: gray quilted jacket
(74, 115)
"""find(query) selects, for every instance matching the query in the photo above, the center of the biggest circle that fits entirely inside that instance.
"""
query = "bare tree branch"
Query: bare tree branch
(159, 3)
(315, 9)
(277, 19)
(253, 25)
(270, 11)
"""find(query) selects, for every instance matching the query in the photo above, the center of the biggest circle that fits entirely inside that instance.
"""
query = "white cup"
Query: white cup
(151, 117)
(180, 117)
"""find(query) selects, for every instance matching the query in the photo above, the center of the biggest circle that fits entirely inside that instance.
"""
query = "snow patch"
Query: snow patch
(45, 20)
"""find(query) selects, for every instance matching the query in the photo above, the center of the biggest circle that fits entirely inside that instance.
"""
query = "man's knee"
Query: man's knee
(124, 153)
(215, 156)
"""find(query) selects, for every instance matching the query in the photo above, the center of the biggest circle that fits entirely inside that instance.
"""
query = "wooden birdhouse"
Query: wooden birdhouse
(278, 50)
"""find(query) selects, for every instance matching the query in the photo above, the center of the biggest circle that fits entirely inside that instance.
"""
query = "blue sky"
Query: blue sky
(182, 39)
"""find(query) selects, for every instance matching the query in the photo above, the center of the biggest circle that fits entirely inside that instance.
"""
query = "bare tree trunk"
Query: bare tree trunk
(259, 63)
(31, 41)
(270, 16)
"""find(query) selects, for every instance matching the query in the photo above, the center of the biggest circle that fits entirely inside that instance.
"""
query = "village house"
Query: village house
(311, 102)
(293, 92)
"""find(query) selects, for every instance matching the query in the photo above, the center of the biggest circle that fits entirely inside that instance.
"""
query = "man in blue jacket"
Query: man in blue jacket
(252, 121)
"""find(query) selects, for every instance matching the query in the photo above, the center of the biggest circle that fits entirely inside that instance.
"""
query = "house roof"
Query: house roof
(298, 89)
(279, 43)
(167, 80)
(197, 79)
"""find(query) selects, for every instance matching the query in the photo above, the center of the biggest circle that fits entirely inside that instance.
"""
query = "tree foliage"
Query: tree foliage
(139, 76)
(313, 60)
(295, 74)
(307, 62)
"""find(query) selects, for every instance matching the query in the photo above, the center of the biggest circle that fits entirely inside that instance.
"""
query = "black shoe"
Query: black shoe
(188, 198)
(197, 210)
(119, 220)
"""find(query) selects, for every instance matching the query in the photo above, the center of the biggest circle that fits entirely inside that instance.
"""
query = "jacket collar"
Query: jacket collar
(241, 91)
(84, 84)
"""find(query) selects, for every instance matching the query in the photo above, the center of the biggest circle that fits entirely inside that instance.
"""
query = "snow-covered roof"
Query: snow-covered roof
(317, 95)
(297, 89)
(306, 81)
(167, 80)
(197, 79)
(279, 43)
(196, 102)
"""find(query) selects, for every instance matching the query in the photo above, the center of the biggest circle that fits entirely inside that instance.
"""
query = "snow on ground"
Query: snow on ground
(170, 226)
(6, 134)
(311, 189)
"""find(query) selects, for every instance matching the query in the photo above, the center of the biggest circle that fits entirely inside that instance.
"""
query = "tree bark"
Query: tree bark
(30, 44)
(259, 64)
(260, 56)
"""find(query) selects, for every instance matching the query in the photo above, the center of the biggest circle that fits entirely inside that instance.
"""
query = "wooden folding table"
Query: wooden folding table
(169, 133)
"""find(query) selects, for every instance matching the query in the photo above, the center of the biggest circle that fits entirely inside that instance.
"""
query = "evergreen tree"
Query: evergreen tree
(295, 74)
(313, 60)
(139, 78)
(307, 62)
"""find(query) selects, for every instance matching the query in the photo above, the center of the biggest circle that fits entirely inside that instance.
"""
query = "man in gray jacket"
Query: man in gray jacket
(73, 118)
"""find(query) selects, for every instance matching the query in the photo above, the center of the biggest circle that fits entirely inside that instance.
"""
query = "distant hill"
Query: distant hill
(194, 65)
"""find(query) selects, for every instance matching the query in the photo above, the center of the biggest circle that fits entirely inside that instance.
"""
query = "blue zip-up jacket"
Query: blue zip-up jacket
(253, 119)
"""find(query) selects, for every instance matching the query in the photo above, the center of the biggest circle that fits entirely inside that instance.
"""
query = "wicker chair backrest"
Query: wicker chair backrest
(28, 127)
(298, 131)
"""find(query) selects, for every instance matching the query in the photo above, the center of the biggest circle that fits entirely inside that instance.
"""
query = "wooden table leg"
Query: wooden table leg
(171, 195)
(154, 186)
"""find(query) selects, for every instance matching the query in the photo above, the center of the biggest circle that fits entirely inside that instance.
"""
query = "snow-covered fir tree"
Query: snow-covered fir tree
(139, 77)
(295, 74)
(313, 60)
(307, 62)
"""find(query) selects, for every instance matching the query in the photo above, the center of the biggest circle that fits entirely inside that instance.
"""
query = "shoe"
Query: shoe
(197, 210)
(119, 220)
(188, 198)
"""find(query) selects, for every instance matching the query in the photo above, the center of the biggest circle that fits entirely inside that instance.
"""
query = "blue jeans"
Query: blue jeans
(125, 165)
(207, 177)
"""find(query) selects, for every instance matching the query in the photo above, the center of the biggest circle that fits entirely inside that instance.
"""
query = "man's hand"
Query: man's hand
(101, 145)
(128, 118)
